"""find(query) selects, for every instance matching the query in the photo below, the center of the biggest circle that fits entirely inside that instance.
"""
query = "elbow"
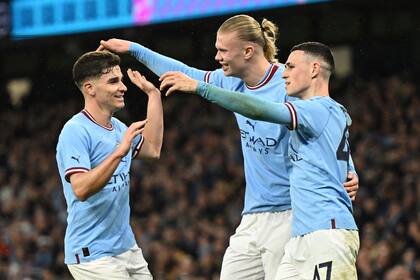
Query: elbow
(155, 151)
(150, 151)
(155, 155)
(80, 194)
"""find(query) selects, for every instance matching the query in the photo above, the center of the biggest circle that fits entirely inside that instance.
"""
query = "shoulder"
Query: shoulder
(75, 127)
(218, 78)
(314, 103)
(328, 104)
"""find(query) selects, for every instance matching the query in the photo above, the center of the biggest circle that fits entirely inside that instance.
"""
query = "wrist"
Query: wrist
(201, 88)
(119, 154)
(153, 92)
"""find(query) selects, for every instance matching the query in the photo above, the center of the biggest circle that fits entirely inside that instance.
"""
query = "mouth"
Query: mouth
(119, 97)
(224, 67)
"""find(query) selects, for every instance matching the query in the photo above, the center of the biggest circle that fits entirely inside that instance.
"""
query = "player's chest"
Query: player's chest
(104, 144)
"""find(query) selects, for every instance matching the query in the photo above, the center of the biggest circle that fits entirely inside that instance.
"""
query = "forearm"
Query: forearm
(153, 131)
(87, 184)
(246, 105)
(160, 64)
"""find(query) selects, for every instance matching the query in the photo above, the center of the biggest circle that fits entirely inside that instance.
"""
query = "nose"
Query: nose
(123, 87)
(284, 74)
(217, 57)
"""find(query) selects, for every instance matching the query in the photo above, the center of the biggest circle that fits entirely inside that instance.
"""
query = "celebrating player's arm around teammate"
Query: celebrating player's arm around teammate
(325, 239)
(247, 53)
(94, 154)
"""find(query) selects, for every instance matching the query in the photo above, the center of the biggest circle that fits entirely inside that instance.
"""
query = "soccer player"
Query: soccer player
(325, 238)
(246, 51)
(94, 154)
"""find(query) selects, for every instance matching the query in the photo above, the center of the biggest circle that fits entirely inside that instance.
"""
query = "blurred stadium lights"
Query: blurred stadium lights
(18, 89)
(52, 17)
(343, 56)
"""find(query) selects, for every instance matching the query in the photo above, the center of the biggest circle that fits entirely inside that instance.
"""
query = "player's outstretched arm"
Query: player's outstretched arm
(156, 62)
(246, 105)
(87, 184)
(153, 131)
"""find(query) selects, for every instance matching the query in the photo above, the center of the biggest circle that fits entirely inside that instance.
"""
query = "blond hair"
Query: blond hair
(248, 29)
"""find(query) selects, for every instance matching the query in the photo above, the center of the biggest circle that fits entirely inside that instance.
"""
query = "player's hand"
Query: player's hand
(141, 82)
(173, 81)
(132, 131)
(352, 185)
(114, 45)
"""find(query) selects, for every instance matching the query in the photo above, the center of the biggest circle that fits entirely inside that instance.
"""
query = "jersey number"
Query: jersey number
(328, 265)
(341, 153)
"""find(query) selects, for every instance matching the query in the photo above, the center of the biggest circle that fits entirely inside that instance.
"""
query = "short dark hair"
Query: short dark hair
(93, 65)
(319, 50)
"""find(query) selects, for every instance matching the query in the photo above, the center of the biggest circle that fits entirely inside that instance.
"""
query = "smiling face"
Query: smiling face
(231, 53)
(108, 89)
(298, 73)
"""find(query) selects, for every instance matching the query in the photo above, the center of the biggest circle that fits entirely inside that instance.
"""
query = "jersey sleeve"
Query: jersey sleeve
(136, 145)
(160, 64)
(308, 117)
(73, 150)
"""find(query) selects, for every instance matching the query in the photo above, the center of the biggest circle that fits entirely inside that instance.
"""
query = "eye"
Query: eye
(114, 81)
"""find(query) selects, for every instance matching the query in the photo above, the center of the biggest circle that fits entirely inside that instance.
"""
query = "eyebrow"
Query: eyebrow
(113, 79)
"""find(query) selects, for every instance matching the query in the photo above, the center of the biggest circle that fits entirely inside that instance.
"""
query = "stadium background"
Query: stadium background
(185, 206)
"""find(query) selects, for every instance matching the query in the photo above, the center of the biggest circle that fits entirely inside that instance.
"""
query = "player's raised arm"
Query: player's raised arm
(156, 62)
(153, 131)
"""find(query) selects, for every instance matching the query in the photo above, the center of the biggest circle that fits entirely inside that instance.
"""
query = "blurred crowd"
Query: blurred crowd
(186, 205)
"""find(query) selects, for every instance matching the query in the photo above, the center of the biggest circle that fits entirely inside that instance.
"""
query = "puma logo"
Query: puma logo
(76, 158)
(252, 125)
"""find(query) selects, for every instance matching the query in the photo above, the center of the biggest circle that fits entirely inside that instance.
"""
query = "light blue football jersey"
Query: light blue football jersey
(320, 154)
(264, 144)
(100, 225)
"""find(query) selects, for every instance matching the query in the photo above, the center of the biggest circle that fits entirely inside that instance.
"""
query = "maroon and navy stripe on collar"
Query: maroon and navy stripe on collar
(90, 117)
(273, 69)
(293, 125)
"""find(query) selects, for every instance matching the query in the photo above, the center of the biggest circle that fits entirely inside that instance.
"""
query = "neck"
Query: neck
(318, 88)
(101, 115)
(256, 72)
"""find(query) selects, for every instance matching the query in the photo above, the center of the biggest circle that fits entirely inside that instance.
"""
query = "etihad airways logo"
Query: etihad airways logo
(252, 125)
(261, 145)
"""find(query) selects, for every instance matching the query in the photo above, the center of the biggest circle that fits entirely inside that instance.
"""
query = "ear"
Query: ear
(249, 51)
(316, 68)
(89, 88)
